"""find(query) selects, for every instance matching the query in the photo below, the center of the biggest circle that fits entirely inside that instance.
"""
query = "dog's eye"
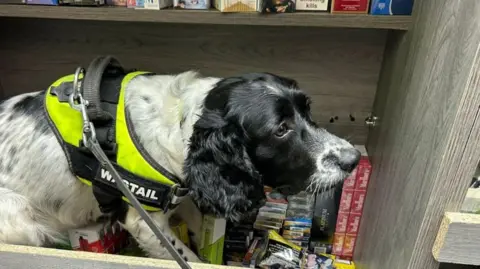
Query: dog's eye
(282, 130)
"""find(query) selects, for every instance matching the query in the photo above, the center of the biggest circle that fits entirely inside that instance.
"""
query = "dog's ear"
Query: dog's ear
(218, 170)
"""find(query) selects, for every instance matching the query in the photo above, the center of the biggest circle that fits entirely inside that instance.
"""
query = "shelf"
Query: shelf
(206, 17)
(457, 239)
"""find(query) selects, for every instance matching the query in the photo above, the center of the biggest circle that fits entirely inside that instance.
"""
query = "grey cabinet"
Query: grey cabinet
(419, 76)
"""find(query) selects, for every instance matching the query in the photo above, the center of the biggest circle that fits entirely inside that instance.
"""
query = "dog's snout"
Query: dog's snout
(348, 159)
(345, 159)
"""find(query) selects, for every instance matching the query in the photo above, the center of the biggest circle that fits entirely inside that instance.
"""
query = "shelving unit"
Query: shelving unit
(419, 75)
(205, 17)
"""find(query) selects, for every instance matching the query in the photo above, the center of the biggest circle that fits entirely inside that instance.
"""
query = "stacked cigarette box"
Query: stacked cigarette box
(351, 207)
(238, 238)
(272, 214)
(391, 7)
(298, 222)
(350, 6)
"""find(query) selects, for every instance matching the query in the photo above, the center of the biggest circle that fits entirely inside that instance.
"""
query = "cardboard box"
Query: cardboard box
(338, 242)
(342, 222)
(364, 170)
(237, 5)
(391, 7)
(120, 3)
(353, 208)
(42, 2)
(343, 264)
(358, 201)
(277, 6)
(351, 180)
(350, 6)
(346, 201)
(180, 229)
(312, 5)
(213, 237)
(349, 246)
(98, 237)
(321, 247)
(149, 4)
(156, 4)
(353, 223)
(82, 2)
(325, 214)
(192, 4)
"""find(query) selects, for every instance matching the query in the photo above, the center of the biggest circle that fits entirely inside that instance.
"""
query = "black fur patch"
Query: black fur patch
(33, 106)
(234, 147)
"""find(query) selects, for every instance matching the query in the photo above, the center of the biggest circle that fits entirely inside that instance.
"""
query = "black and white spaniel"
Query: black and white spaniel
(224, 138)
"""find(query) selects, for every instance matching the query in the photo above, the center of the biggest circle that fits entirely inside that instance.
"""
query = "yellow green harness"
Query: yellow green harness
(153, 186)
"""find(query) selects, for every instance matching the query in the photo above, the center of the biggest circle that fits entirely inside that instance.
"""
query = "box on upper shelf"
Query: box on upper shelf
(350, 6)
(82, 2)
(237, 5)
(391, 7)
(276, 6)
(42, 2)
(191, 4)
(312, 5)
(149, 4)
(120, 3)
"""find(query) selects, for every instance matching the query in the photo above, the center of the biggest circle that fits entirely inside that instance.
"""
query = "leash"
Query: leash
(89, 138)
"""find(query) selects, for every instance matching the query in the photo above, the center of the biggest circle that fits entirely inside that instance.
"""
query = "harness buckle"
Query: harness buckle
(176, 196)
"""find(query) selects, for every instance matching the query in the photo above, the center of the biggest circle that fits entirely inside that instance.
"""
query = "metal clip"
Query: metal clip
(77, 102)
(73, 99)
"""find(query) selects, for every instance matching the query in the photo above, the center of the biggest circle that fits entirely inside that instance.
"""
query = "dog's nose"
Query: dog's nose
(348, 159)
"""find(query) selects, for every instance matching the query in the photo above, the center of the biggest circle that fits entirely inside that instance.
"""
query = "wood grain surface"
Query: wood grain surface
(339, 68)
(315, 19)
(23, 257)
(458, 239)
(425, 148)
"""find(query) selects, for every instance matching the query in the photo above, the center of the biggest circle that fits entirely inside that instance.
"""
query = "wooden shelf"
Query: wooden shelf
(457, 239)
(205, 17)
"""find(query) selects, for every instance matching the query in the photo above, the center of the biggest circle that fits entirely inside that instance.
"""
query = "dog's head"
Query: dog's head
(257, 130)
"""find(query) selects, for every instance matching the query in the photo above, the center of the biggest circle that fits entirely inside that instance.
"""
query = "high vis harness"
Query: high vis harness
(86, 111)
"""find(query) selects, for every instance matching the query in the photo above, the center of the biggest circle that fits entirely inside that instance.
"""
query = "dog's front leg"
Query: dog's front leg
(147, 240)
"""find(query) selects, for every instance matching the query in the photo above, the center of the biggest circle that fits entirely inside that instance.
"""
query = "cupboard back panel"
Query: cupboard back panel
(339, 67)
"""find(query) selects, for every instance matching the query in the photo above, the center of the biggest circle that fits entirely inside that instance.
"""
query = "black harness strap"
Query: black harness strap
(92, 82)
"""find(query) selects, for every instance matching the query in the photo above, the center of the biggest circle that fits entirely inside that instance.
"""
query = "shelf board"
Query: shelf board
(457, 239)
(320, 19)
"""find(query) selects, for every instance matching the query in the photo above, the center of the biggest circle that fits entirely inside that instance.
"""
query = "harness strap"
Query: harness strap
(91, 85)
(153, 196)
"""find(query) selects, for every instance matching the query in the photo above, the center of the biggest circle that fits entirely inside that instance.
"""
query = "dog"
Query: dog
(234, 136)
